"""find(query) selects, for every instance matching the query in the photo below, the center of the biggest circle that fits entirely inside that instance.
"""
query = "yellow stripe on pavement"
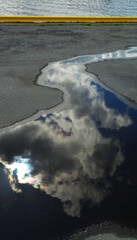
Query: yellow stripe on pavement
(66, 19)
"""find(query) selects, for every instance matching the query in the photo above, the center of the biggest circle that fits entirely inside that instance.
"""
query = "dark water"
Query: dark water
(69, 7)
(74, 167)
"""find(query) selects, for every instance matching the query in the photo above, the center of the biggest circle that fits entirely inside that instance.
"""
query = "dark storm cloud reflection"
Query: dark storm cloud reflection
(72, 160)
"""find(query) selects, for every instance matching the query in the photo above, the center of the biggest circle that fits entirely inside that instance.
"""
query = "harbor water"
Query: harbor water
(68, 8)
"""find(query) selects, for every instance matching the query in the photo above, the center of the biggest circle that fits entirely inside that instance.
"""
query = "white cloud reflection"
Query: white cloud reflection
(69, 167)
(69, 157)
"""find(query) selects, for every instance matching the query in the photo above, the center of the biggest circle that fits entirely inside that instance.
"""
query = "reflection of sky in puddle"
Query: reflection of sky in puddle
(21, 167)
(77, 154)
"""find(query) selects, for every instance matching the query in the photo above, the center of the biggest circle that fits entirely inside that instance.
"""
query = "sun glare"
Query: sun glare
(22, 167)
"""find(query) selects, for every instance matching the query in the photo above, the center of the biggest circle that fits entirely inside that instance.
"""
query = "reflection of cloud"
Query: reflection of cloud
(66, 164)
(72, 188)
(85, 97)
(70, 158)
(98, 111)
(71, 71)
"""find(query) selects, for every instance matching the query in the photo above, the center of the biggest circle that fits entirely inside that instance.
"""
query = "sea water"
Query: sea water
(68, 7)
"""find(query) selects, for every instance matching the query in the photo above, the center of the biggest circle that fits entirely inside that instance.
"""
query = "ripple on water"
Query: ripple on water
(69, 8)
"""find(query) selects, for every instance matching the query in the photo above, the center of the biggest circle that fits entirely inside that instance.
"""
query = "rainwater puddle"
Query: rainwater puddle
(77, 166)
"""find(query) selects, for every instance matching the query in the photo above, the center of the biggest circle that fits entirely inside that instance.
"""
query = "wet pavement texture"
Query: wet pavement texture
(74, 167)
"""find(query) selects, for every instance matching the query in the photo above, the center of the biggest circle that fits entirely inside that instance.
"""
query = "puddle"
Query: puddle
(78, 163)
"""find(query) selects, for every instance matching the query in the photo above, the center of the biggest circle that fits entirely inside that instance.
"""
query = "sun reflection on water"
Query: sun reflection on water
(21, 167)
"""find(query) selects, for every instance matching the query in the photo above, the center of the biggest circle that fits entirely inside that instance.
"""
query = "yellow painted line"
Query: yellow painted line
(66, 19)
